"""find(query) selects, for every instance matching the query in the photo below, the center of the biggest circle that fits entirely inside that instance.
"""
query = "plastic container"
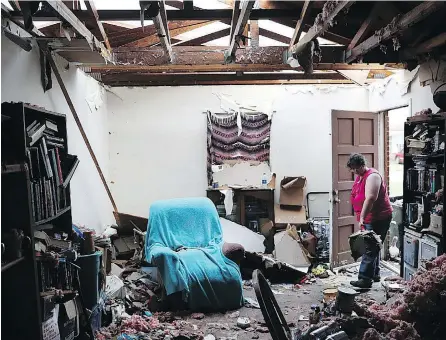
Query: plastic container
(89, 278)
(264, 181)
(411, 244)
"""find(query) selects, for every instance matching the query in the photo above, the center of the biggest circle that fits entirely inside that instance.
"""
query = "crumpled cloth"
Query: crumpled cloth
(362, 241)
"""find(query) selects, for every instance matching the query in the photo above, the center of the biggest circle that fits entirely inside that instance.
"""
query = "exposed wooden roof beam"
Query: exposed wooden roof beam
(398, 24)
(160, 22)
(225, 68)
(196, 14)
(274, 36)
(153, 38)
(205, 38)
(91, 8)
(330, 10)
(67, 15)
(254, 32)
(15, 5)
(239, 26)
(425, 47)
(366, 25)
(196, 55)
(234, 82)
(304, 14)
(140, 79)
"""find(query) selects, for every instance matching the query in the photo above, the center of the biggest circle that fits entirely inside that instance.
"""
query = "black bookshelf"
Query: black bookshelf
(26, 209)
(424, 172)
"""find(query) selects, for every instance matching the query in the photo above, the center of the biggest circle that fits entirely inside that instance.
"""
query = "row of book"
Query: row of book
(51, 277)
(51, 169)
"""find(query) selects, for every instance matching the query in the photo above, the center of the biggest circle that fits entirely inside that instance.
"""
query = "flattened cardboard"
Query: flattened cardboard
(284, 217)
(290, 251)
(292, 192)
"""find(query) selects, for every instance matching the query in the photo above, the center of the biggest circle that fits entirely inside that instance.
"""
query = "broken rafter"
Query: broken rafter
(67, 15)
(322, 22)
(398, 25)
(305, 12)
(226, 68)
(425, 47)
(153, 38)
(255, 32)
(366, 25)
(160, 22)
(274, 36)
(91, 8)
(239, 26)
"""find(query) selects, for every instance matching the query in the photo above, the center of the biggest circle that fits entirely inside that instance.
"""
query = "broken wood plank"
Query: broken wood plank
(160, 23)
(425, 47)
(91, 7)
(322, 22)
(304, 14)
(199, 55)
(153, 39)
(239, 27)
(398, 25)
(226, 68)
(366, 25)
(78, 26)
(81, 129)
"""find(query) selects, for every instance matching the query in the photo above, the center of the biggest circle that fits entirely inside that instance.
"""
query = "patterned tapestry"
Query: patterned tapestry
(237, 137)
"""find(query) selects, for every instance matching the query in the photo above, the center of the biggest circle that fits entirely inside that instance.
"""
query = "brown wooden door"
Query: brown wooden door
(352, 131)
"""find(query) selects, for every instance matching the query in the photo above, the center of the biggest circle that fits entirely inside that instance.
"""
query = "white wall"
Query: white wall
(21, 82)
(158, 136)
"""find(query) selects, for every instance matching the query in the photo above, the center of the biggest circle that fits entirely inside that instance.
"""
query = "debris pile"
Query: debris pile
(418, 313)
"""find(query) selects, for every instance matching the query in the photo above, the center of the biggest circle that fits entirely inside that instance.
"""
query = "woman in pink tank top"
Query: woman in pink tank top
(373, 211)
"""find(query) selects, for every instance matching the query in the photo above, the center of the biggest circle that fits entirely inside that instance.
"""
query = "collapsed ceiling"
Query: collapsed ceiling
(264, 42)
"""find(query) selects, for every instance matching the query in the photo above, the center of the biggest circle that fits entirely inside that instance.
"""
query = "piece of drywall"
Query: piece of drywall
(21, 83)
(158, 136)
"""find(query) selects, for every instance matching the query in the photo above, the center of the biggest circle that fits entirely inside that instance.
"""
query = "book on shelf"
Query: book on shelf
(50, 169)
(70, 167)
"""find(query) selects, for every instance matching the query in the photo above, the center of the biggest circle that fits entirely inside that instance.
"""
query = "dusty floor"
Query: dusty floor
(293, 303)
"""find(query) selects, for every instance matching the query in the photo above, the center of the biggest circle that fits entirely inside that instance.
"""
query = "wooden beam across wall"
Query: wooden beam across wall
(331, 10)
(205, 38)
(91, 8)
(398, 25)
(109, 68)
(304, 14)
(239, 27)
(198, 55)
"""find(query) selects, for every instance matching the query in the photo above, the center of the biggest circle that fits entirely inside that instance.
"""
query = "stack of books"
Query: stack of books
(51, 169)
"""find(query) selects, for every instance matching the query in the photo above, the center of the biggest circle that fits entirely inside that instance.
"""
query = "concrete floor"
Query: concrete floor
(293, 303)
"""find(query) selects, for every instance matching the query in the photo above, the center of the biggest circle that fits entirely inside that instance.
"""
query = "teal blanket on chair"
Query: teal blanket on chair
(184, 240)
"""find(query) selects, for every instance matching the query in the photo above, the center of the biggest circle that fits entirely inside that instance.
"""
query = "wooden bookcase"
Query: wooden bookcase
(424, 171)
(21, 298)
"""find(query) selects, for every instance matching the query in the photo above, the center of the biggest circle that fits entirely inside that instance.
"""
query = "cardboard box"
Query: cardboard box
(292, 192)
(284, 217)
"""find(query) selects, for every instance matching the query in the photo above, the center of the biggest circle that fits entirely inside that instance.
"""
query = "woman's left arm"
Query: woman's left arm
(372, 186)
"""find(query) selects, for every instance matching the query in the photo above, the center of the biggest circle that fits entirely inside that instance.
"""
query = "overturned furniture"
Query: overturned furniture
(184, 240)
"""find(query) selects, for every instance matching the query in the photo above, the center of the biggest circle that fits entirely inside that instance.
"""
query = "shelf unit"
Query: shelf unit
(21, 296)
(434, 160)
